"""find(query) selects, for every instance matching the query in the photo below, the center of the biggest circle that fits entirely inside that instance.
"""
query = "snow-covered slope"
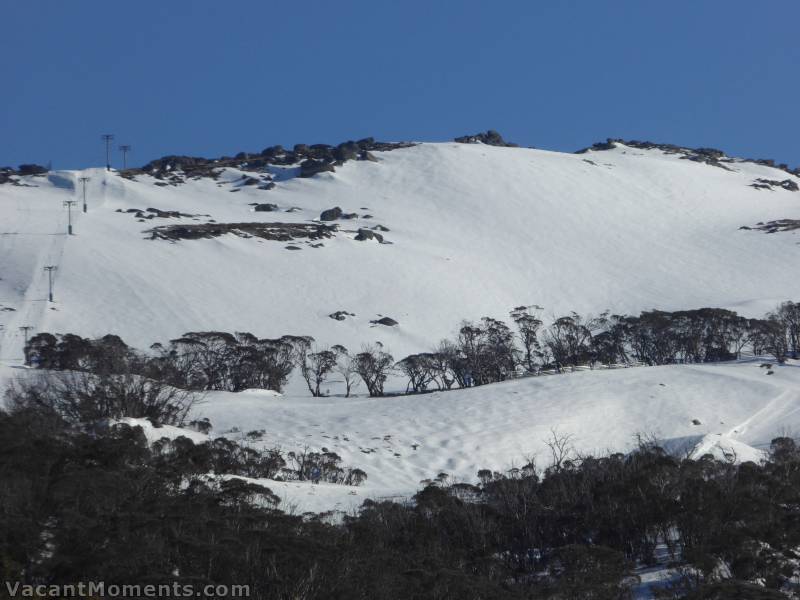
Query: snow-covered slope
(475, 230)
(728, 410)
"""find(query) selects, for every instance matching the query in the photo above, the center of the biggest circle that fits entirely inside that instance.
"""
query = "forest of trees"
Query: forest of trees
(482, 352)
(84, 504)
(84, 497)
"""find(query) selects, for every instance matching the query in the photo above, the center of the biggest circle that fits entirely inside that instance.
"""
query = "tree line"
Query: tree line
(487, 351)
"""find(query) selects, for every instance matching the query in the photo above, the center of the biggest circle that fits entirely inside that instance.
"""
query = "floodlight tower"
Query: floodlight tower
(50, 269)
(108, 138)
(69, 204)
(125, 148)
(84, 181)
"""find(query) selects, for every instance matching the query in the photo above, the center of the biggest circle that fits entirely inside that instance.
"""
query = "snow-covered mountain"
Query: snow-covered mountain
(427, 235)
(469, 230)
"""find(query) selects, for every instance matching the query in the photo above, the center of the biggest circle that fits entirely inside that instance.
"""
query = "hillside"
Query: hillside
(728, 410)
(469, 230)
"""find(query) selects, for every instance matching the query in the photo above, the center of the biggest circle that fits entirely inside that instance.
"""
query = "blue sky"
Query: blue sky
(211, 78)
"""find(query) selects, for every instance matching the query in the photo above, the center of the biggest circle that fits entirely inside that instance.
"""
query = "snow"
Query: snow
(475, 231)
(401, 441)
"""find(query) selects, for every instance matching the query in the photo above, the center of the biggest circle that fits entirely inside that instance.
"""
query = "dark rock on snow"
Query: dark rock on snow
(331, 214)
(387, 321)
(310, 167)
(490, 138)
(341, 315)
(366, 234)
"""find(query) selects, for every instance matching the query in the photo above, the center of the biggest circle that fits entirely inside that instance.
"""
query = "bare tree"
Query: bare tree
(373, 365)
(88, 399)
(561, 449)
(315, 368)
(346, 367)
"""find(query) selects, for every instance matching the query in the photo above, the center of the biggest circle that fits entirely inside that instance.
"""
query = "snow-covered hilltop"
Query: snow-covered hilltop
(428, 234)
(398, 243)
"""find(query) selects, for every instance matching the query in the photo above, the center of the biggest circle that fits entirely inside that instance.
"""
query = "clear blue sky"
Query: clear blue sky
(209, 77)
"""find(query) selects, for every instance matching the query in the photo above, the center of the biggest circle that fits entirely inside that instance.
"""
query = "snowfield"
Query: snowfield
(402, 441)
(473, 231)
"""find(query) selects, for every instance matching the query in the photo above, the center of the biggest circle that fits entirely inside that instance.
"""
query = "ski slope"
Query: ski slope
(475, 230)
(731, 411)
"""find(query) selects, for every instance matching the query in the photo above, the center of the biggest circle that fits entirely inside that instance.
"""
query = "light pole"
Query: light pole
(50, 269)
(84, 180)
(108, 138)
(25, 329)
(125, 148)
(69, 204)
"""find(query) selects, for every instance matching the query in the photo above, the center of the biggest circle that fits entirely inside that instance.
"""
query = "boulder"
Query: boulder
(367, 155)
(273, 151)
(266, 207)
(366, 143)
(387, 321)
(310, 167)
(331, 214)
(346, 151)
(32, 170)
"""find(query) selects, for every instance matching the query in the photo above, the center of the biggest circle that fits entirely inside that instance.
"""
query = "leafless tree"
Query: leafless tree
(561, 449)
(373, 365)
(315, 367)
(346, 367)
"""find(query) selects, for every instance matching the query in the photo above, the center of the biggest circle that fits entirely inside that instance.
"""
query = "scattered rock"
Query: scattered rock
(490, 138)
(281, 232)
(341, 315)
(366, 234)
(778, 226)
(711, 156)
(265, 207)
(786, 184)
(31, 170)
(293, 248)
